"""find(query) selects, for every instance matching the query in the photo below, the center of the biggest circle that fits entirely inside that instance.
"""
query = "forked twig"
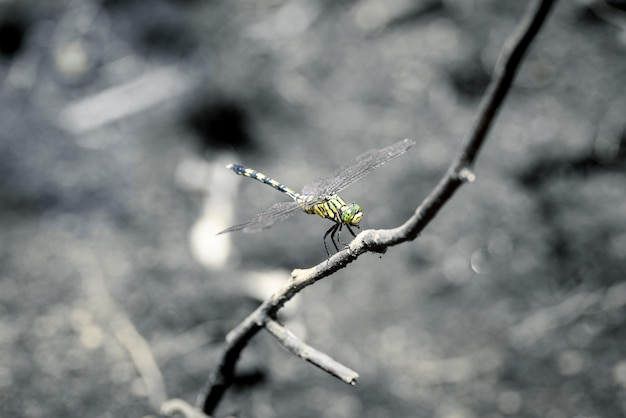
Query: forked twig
(459, 172)
(310, 354)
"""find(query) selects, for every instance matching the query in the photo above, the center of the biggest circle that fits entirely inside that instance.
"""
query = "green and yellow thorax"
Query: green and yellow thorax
(333, 208)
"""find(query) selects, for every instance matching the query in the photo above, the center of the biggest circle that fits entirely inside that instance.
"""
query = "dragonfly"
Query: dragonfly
(320, 197)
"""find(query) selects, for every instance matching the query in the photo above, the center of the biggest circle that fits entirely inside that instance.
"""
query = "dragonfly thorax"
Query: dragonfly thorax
(333, 208)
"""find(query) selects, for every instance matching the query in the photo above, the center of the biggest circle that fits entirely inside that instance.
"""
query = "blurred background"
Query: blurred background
(118, 118)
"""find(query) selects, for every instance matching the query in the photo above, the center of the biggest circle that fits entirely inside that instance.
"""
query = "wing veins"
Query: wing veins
(263, 220)
(352, 172)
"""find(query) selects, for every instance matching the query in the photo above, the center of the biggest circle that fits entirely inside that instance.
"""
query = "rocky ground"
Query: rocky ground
(119, 116)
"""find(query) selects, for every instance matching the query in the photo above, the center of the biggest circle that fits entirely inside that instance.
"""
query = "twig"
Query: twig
(100, 300)
(459, 172)
(310, 354)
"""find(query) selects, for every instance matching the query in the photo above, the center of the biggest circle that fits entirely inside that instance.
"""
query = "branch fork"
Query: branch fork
(459, 172)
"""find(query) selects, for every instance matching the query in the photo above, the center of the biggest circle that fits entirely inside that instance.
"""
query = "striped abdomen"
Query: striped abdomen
(257, 175)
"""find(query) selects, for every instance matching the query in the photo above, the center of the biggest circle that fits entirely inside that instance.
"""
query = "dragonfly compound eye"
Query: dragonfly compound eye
(352, 214)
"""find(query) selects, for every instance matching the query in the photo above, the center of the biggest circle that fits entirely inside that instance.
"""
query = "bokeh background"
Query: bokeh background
(117, 118)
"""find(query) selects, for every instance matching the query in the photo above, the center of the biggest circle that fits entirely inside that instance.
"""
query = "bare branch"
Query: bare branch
(310, 354)
(459, 172)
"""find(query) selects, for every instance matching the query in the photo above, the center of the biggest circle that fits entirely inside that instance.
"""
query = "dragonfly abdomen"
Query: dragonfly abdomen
(257, 175)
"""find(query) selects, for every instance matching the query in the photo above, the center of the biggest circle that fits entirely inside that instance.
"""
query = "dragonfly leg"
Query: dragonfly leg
(349, 229)
(332, 230)
(332, 235)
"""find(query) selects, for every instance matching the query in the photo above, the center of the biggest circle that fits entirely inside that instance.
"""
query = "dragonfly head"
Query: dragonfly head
(352, 214)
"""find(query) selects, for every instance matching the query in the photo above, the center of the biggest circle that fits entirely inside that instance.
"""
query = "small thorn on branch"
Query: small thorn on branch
(466, 175)
(310, 354)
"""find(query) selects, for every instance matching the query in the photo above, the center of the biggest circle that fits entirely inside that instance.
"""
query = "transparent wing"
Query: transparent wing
(278, 212)
(350, 173)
